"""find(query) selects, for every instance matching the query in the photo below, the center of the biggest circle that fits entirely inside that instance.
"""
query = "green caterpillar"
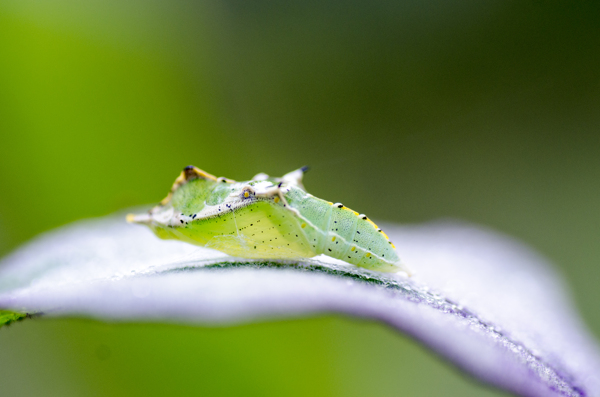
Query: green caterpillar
(267, 218)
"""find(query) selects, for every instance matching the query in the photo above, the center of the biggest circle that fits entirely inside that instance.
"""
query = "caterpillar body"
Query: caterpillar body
(267, 217)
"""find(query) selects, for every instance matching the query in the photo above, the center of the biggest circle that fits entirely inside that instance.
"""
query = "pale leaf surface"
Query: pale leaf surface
(482, 301)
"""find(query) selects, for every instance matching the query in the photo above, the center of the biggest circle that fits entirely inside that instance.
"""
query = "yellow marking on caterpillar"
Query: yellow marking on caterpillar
(166, 200)
(303, 225)
(372, 223)
(366, 218)
(333, 238)
(384, 235)
(246, 194)
(348, 209)
(355, 213)
(368, 255)
(189, 173)
(276, 199)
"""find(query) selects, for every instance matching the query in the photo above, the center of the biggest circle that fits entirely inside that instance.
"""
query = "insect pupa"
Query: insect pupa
(267, 218)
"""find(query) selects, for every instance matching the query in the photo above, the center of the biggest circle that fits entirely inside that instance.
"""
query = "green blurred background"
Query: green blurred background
(410, 111)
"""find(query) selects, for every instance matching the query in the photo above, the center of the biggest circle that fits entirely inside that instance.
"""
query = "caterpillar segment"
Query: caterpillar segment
(267, 217)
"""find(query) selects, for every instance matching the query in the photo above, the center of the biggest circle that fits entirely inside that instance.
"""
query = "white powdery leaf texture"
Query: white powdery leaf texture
(483, 301)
